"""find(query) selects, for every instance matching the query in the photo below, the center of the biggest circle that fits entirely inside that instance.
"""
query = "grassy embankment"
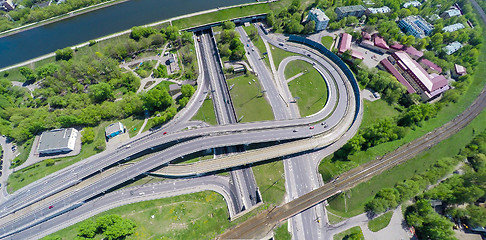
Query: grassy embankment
(327, 41)
(206, 113)
(358, 196)
(248, 100)
(345, 235)
(309, 89)
(380, 222)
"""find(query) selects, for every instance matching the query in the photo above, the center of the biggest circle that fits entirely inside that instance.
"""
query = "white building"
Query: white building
(452, 48)
(57, 141)
(383, 9)
(412, 3)
(8, 5)
(320, 18)
(451, 13)
(453, 27)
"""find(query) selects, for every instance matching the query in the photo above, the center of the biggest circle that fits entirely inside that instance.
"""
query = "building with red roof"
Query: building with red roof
(345, 44)
(413, 52)
(391, 69)
(366, 36)
(380, 42)
(459, 71)
(431, 66)
(427, 86)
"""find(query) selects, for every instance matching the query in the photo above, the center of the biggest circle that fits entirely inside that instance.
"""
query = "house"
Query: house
(427, 86)
(384, 9)
(412, 3)
(416, 26)
(413, 52)
(114, 130)
(319, 17)
(459, 71)
(57, 141)
(451, 13)
(345, 44)
(355, 10)
(453, 27)
(7, 5)
(430, 66)
(366, 36)
(380, 42)
(452, 47)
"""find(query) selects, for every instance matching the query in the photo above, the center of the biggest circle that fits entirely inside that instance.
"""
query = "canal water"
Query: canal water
(48, 38)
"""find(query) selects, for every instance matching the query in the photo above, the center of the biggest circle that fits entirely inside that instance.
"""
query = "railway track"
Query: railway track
(260, 225)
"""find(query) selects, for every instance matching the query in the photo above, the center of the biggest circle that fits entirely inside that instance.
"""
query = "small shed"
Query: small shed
(114, 130)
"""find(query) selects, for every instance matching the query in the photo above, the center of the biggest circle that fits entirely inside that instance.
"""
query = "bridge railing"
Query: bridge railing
(337, 60)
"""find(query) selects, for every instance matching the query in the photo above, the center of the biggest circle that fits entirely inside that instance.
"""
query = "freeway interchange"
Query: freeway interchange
(25, 215)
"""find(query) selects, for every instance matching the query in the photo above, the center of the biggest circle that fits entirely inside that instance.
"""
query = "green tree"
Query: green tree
(229, 25)
(64, 54)
(436, 40)
(183, 101)
(88, 135)
(28, 74)
(46, 70)
(120, 229)
(187, 90)
(476, 215)
(428, 224)
(139, 32)
(87, 229)
(101, 92)
(156, 99)
(309, 27)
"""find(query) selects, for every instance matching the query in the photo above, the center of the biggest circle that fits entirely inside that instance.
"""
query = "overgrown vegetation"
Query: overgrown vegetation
(229, 44)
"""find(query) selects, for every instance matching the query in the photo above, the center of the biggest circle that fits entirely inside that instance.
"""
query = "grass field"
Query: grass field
(278, 55)
(132, 125)
(39, 170)
(248, 100)
(201, 215)
(359, 195)
(327, 41)
(271, 182)
(345, 235)
(230, 13)
(206, 113)
(282, 232)
(380, 222)
(310, 88)
(376, 110)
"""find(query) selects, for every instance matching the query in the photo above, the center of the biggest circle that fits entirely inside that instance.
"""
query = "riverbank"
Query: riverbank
(60, 17)
(170, 20)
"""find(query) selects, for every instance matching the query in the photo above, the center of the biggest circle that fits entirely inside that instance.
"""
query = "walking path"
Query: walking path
(7, 158)
(397, 229)
(294, 77)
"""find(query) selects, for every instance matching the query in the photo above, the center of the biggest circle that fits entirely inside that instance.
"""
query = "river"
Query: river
(32, 43)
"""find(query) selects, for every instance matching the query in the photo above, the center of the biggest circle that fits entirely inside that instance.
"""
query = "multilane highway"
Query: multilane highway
(243, 179)
(231, 135)
(261, 224)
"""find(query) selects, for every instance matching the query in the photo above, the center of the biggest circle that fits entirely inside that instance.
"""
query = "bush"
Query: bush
(88, 135)
(50, 162)
(64, 54)
(92, 42)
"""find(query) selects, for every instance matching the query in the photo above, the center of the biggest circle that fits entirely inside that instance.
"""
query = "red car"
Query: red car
(165, 133)
(311, 127)
(51, 207)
